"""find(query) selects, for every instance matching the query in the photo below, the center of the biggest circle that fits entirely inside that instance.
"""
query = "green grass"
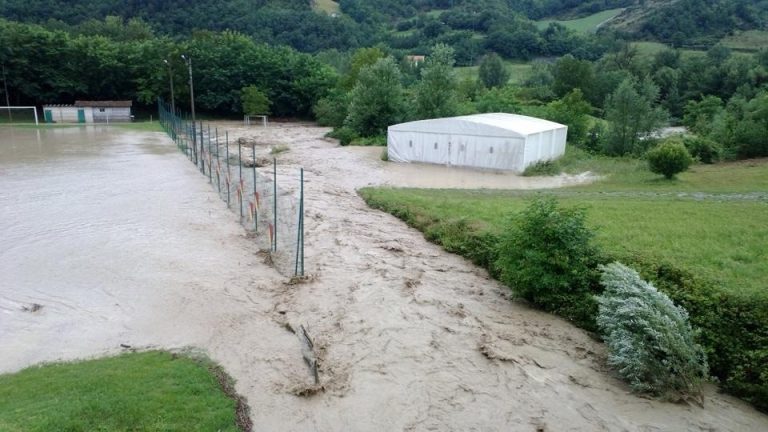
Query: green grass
(149, 391)
(518, 72)
(587, 24)
(327, 6)
(628, 174)
(695, 223)
(750, 40)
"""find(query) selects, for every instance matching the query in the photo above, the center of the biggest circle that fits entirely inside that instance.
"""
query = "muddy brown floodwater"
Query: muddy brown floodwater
(119, 240)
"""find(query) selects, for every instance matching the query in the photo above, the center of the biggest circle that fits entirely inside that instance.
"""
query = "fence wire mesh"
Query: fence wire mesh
(267, 200)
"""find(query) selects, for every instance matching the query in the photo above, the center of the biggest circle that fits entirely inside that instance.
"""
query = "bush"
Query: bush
(345, 135)
(650, 341)
(703, 149)
(542, 168)
(669, 158)
(547, 258)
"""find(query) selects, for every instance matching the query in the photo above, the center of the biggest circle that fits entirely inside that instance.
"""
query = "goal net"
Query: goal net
(255, 119)
(18, 114)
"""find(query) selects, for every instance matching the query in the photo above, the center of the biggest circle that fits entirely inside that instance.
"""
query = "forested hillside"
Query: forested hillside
(471, 27)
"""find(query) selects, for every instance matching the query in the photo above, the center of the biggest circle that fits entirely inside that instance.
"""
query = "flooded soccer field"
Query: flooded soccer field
(102, 238)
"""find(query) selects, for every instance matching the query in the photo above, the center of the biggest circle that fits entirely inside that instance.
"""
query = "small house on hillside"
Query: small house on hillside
(496, 141)
(89, 112)
(416, 59)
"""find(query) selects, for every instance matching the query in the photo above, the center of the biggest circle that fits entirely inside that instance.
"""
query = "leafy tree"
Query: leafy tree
(332, 109)
(503, 99)
(669, 158)
(493, 72)
(254, 101)
(362, 58)
(570, 73)
(377, 100)
(632, 115)
(700, 115)
(573, 111)
(436, 93)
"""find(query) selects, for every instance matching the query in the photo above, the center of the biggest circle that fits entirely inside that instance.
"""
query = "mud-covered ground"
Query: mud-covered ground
(408, 337)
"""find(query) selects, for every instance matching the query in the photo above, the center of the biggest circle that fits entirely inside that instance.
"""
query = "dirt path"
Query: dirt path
(408, 337)
(413, 338)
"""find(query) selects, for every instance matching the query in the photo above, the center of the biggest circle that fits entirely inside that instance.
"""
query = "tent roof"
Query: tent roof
(493, 124)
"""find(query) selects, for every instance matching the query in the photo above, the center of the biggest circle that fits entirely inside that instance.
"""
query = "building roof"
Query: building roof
(492, 124)
(104, 104)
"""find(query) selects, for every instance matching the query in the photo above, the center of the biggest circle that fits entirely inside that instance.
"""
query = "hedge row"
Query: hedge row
(734, 328)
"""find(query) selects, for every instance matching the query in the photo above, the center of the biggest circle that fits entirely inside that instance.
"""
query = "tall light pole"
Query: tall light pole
(188, 60)
(170, 75)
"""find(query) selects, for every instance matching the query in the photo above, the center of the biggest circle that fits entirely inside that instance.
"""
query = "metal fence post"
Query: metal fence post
(240, 178)
(218, 164)
(229, 178)
(255, 192)
(202, 150)
(299, 271)
(274, 204)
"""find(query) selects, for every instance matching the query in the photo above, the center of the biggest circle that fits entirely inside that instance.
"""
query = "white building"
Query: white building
(89, 112)
(493, 141)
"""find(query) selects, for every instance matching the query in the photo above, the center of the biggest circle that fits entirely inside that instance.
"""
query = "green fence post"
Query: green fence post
(202, 150)
(240, 178)
(218, 164)
(255, 193)
(229, 178)
(274, 204)
(299, 271)
(210, 160)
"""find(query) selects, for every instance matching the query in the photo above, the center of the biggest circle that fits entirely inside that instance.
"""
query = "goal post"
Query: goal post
(247, 119)
(9, 110)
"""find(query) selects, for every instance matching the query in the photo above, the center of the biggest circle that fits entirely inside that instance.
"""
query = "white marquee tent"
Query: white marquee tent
(495, 141)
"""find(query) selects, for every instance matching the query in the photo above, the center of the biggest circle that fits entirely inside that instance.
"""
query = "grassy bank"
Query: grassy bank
(587, 24)
(149, 391)
(701, 239)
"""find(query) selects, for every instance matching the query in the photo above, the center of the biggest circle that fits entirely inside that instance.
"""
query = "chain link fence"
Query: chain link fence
(268, 203)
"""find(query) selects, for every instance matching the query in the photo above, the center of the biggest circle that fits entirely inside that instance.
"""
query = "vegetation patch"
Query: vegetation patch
(149, 391)
(587, 24)
(698, 239)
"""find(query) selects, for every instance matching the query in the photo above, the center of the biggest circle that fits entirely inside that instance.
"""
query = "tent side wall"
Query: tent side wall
(543, 146)
(502, 153)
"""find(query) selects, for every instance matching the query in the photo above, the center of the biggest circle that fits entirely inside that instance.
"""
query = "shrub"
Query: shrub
(650, 341)
(345, 135)
(703, 149)
(332, 109)
(734, 327)
(378, 140)
(669, 158)
(542, 168)
(547, 257)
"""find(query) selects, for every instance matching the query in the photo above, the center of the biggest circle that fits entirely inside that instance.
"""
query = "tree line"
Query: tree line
(54, 66)
(613, 105)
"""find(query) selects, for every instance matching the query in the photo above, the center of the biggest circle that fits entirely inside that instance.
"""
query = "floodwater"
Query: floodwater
(120, 240)
(104, 233)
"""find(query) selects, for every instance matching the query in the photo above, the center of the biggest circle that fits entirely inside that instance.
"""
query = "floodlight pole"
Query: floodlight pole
(188, 60)
(170, 75)
(7, 98)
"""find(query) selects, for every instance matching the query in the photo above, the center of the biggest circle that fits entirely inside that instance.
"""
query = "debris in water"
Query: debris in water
(34, 307)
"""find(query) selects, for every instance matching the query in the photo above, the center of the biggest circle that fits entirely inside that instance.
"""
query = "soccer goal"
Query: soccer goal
(18, 114)
(248, 119)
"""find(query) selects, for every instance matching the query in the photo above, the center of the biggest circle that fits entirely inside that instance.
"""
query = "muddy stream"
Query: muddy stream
(111, 237)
